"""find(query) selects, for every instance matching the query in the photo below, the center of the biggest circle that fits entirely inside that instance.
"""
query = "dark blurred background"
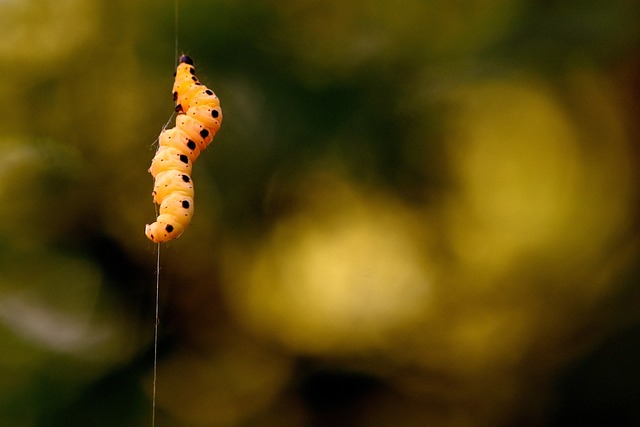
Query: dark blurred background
(421, 213)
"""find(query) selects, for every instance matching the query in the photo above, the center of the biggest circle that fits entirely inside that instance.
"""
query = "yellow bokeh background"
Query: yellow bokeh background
(414, 215)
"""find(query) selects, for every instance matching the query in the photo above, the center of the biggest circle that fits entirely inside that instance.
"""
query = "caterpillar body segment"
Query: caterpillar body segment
(179, 140)
(194, 130)
(170, 158)
(169, 182)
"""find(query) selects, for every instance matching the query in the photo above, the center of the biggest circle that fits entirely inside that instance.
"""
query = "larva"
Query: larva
(198, 120)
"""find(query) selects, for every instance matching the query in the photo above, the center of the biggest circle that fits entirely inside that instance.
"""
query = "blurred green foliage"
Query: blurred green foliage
(414, 214)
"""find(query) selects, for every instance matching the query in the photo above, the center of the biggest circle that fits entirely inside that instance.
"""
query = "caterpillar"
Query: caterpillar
(198, 120)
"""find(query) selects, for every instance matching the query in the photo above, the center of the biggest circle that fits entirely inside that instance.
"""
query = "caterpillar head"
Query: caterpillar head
(184, 59)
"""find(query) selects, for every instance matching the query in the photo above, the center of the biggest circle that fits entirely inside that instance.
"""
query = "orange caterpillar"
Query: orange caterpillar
(198, 121)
